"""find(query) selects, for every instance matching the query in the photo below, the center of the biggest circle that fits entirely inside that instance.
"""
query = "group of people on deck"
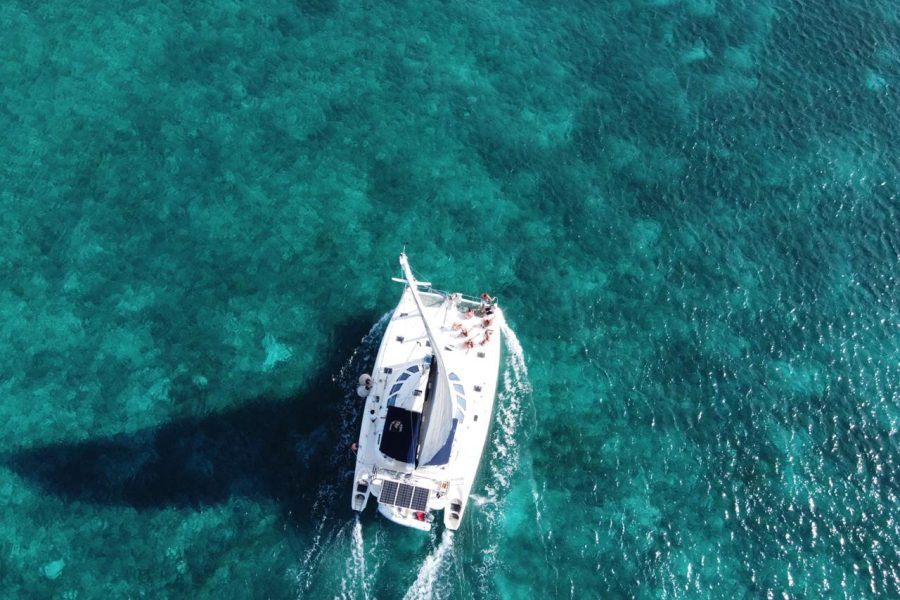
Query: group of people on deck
(486, 312)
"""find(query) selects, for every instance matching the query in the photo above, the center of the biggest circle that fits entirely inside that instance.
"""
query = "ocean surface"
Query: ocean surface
(689, 210)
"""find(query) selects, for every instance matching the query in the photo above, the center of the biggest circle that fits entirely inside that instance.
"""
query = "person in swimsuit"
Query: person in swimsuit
(487, 304)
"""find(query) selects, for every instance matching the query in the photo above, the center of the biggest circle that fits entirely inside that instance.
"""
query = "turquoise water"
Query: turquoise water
(688, 209)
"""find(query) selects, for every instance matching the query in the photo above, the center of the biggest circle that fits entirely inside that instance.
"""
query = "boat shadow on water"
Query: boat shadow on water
(283, 450)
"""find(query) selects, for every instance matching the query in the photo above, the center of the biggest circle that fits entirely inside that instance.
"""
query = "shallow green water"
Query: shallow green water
(688, 209)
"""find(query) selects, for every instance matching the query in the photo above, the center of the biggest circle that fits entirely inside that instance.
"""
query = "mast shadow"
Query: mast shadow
(265, 449)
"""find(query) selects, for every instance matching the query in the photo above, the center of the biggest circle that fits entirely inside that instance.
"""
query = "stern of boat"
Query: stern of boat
(406, 517)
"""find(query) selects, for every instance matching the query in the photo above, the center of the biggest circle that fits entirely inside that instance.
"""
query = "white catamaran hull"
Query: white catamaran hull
(428, 407)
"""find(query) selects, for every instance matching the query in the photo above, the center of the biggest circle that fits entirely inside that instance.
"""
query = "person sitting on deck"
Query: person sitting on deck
(487, 304)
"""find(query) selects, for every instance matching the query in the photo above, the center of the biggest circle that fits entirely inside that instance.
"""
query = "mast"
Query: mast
(414, 288)
(440, 426)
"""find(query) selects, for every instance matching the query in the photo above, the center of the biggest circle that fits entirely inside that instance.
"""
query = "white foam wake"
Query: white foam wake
(354, 583)
(515, 390)
(516, 358)
(504, 459)
(428, 583)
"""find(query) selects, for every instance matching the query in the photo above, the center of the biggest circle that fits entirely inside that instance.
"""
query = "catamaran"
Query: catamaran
(428, 405)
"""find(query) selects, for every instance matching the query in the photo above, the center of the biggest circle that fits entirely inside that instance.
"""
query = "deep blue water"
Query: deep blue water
(688, 209)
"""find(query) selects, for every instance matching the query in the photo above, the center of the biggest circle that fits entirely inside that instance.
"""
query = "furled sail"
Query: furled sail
(437, 438)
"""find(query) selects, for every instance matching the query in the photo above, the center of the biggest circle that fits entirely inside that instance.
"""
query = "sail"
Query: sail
(438, 435)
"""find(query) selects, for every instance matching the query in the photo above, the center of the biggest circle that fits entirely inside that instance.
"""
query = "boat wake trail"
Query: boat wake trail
(513, 399)
(432, 581)
(514, 392)
(332, 533)
(354, 584)
(514, 395)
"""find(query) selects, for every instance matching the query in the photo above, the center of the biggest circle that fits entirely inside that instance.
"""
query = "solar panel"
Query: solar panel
(419, 499)
(404, 496)
(388, 492)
